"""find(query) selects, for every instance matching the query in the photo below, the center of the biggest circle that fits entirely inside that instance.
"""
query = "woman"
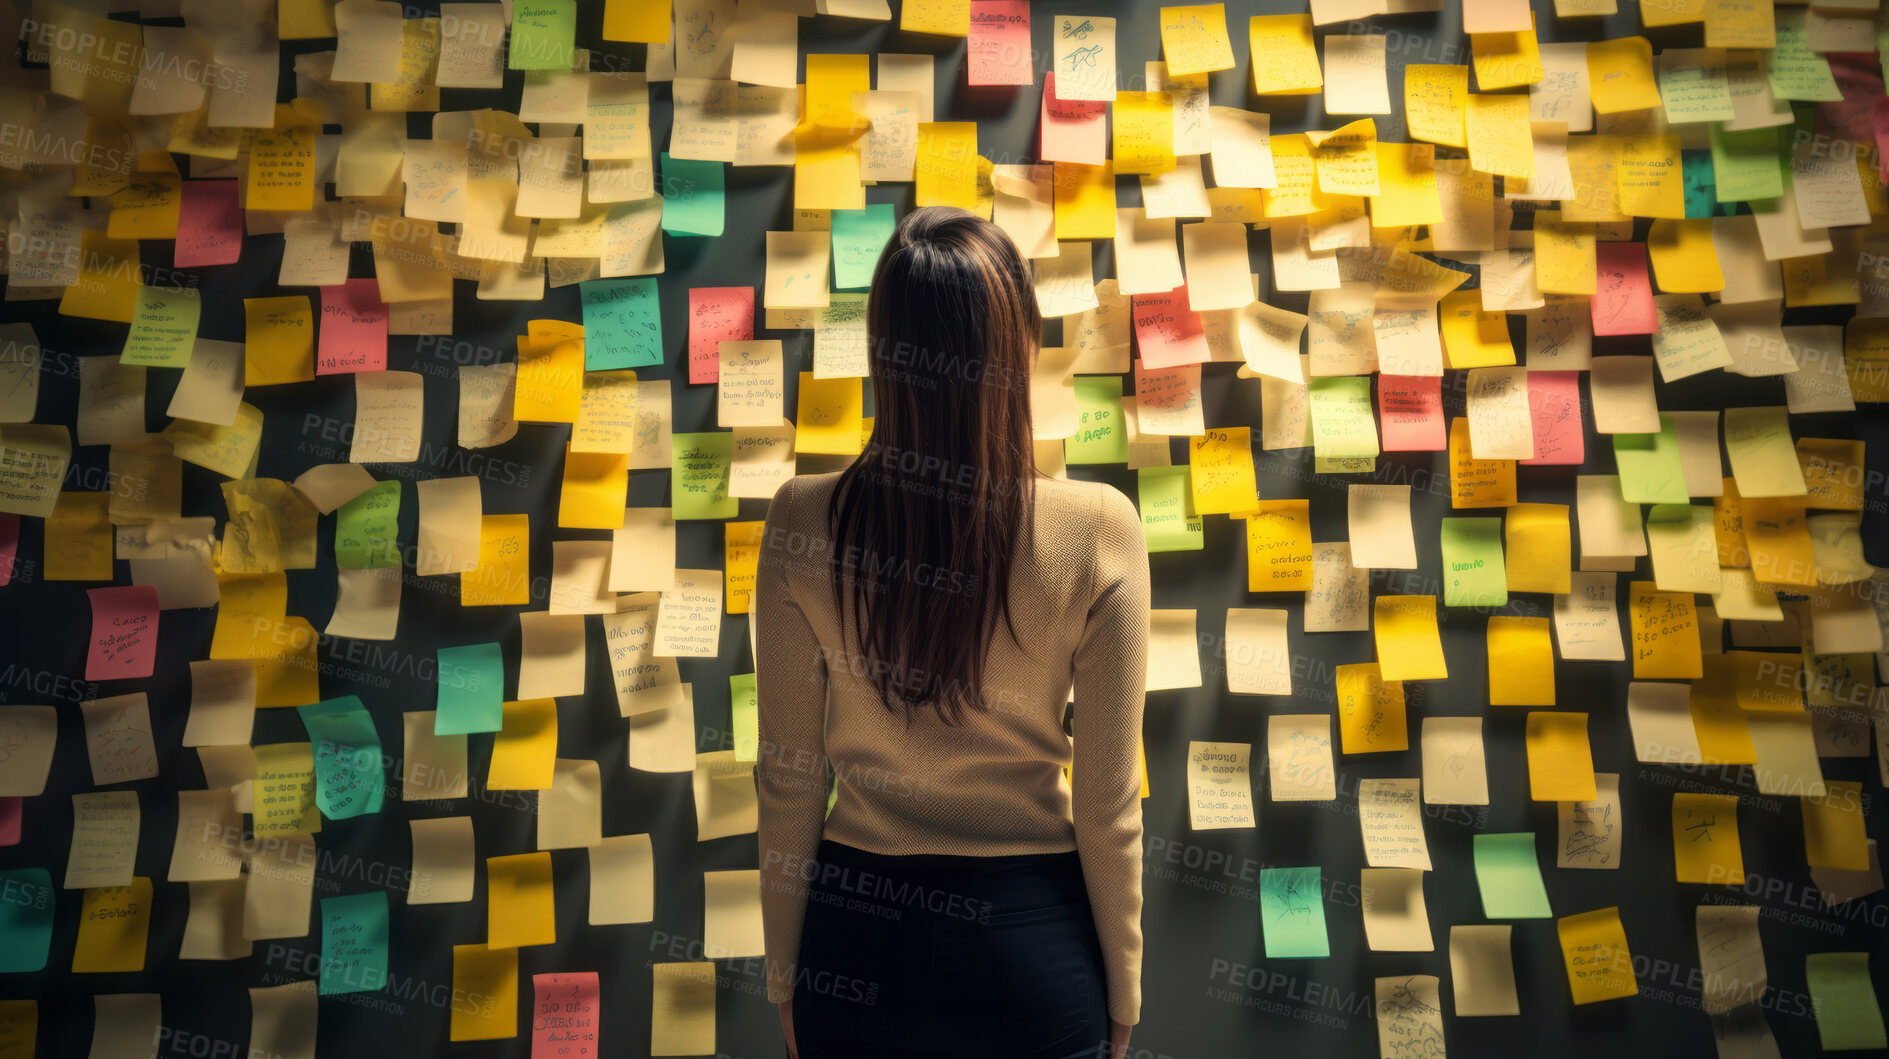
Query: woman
(962, 898)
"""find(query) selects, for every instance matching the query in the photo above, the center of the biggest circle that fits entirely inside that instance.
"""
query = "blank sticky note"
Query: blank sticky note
(1560, 764)
(1509, 877)
(519, 907)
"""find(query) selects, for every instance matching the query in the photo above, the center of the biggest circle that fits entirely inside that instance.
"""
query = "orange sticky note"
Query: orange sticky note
(492, 976)
(524, 753)
(1474, 482)
(1521, 661)
(1560, 763)
(1370, 711)
(1594, 948)
(503, 573)
(518, 901)
(1537, 548)
(1665, 632)
(1408, 645)
(595, 490)
(1279, 546)
(279, 340)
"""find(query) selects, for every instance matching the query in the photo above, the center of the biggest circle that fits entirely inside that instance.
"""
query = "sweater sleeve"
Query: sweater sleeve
(1105, 775)
(790, 771)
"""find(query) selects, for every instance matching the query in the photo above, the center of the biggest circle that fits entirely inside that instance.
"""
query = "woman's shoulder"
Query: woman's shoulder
(1084, 500)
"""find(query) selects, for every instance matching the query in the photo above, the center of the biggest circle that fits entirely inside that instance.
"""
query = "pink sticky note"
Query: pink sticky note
(124, 632)
(9, 544)
(1879, 117)
(999, 43)
(209, 224)
(11, 810)
(1410, 407)
(564, 1016)
(716, 315)
(1859, 77)
(1169, 332)
(353, 328)
(1074, 130)
(1554, 406)
(1623, 302)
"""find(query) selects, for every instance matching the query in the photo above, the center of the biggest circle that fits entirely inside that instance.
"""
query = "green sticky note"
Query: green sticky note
(367, 528)
(1649, 466)
(699, 473)
(348, 776)
(1343, 424)
(1848, 1017)
(743, 706)
(1292, 912)
(163, 327)
(1474, 574)
(1745, 164)
(26, 914)
(544, 35)
(1797, 73)
(354, 943)
(622, 323)
(471, 690)
(1166, 499)
(858, 237)
(1102, 430)
(1696, 172)
(692, 197)
(1509, 877)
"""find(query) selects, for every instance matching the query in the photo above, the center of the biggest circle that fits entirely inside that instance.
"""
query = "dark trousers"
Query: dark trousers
(931, 956)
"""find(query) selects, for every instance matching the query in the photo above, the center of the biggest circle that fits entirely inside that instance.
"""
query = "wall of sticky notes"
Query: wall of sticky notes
(390, 398)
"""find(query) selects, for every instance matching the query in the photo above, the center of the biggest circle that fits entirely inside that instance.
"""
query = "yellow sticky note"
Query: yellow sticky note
(491, 975)
(1521, 661)
(1297, 177)
(945, 173)
(1194, 39)
(1777, 537)
(1501, 141)
(1506, 60)
(519, 909)
(1705, 839)
(282, 173)
(1649, 176)
(944, 18)
(1665, 634)
(1085, 201)
(1560, 763)
(1834, 831)
(826, 169)
(1675, 12)
(1620, 75)
(1536, 539)
(1724, 734)
(741, 547)
(284, 790)
(550, 381)
(1408, 646)
(1221, 471)
(595, 490)
(1279, 546)
(1474, 482)
(828, 415)
(1594, 948)
(109, 278)
(1685, 260)
(525, 750)
(503, 575)
(113, 923)
(287, 671)
(1144, 132)
(19, 1029)
(1565, 254)
(248, 606)
(305, 19)
(279, 340)
(1833, 473)
(1866, 359)
(147, 208)
(1592, 161)
(1346, 159)
(1407, 191)
(79, 538)
(1728, 526)
(636, 21)
(1434, 98)
(1285, 59)
(1370, 711)
(1473, 337)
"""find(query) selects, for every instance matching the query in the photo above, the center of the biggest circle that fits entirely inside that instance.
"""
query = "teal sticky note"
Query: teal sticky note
(744, 715)
(354, 943)
(699, 465)
(1509, 877)
(622, 323)
(367, 529)
(471, 689)
(1292, 912)
(1848, 1017)
(858, 237)
(26, 914)
(1165, 496)
(693, 197)
(1696, 172)
(544, 35)
(1102, 428)
(349, 780)
(1649, 466)
(1474, 574)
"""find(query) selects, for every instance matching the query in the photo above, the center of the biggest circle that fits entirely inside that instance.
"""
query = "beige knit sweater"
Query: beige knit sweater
(995, 784)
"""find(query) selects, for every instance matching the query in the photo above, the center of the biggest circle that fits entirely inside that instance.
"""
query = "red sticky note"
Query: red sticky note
(11, 810)
(716, 315)
(1554, 406)
(1410, 408)
(564, 1016)
(1859, 78)
(1880, 118)
(9, 544)
(124, 632)
(209, 224)
(1168, 331)
(999, 43)
(1623, 301)
(353, 328)
(1074, 130)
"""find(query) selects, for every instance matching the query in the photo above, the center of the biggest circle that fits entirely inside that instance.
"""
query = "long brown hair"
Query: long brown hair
(927, 521)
